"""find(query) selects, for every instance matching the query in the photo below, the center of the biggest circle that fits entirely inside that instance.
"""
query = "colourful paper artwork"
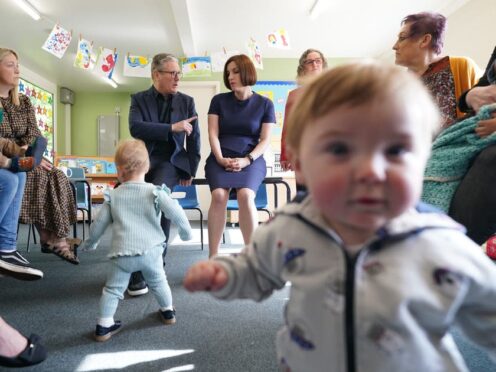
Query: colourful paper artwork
(196, 66)
(219, 59)
(106, 62)
(137, 66)
(42, 102)
(85, 58)
(58, 41)
(255, 53)
(279, 39)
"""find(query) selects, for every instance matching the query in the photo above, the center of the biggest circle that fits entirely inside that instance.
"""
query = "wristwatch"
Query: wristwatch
(250, 158)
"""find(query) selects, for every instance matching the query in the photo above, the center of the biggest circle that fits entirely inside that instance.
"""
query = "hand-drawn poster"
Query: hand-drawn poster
(278, 39)
(137, 66)
(255, 53)
(85, 58)
(106, 62)
(277, 91)
(42, 101)
(196, 66)
(58, 41)
(219, 59)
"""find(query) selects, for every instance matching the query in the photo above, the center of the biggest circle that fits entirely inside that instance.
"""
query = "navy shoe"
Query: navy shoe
(33, 354)
(103, 334)
(168, 317)
(137, 285)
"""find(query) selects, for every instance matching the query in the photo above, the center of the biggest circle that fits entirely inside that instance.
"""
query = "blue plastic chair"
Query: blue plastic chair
(82, 193)
(261, 201)
(190, 201)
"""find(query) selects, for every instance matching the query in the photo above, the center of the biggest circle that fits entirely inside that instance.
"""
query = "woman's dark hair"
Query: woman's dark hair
(246, 69)
(430, 23)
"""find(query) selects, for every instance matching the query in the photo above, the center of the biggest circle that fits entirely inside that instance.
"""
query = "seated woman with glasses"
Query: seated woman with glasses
(419, 48)
(312, 62)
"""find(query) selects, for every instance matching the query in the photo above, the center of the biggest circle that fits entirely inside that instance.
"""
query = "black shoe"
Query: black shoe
(33, 354)
(168, 316)
(137, 285)
(105, 333)
(14, 265)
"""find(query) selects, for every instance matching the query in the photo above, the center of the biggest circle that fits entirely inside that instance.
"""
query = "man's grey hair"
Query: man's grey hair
(162, 58)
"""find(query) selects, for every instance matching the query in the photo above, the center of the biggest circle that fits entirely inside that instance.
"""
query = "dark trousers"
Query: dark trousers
(474, 202)
(163, 173)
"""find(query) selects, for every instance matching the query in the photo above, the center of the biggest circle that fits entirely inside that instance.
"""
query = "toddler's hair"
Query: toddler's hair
(360, 83)
(132, 157)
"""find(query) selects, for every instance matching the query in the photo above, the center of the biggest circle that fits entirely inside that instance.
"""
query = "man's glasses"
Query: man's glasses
(317, 61)
(174, 74)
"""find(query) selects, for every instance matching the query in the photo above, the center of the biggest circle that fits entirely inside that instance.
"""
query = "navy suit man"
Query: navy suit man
(166, 120)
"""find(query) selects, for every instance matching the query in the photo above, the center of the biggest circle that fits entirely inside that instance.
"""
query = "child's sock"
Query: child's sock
(105, 322)
(37, 149)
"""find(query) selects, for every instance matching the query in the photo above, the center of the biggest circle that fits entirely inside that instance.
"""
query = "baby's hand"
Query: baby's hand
(205, 276)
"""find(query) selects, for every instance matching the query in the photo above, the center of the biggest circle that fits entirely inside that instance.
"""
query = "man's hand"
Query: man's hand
(480, 96)
(183, 126)
(486, 127)
(205, 276)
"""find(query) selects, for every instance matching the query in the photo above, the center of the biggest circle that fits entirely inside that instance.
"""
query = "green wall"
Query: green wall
(88, 105)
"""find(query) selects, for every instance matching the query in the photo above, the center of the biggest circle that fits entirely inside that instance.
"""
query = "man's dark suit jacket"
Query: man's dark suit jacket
(144, 124)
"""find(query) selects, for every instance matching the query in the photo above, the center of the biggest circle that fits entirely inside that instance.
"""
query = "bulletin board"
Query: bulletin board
(42, 101)
(277, 92)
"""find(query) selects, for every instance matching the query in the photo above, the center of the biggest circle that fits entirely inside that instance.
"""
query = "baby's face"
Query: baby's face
(363, 166)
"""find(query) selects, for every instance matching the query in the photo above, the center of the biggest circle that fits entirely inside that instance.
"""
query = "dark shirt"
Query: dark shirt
(164, 104)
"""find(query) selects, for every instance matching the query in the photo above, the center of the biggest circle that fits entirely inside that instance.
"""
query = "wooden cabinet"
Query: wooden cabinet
(100, 172)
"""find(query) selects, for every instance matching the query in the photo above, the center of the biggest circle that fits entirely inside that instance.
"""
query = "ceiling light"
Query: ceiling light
(111, 82)
(28, 8)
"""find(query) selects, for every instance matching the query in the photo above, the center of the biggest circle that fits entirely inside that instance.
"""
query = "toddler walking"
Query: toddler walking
(377, 281)
(134, 210)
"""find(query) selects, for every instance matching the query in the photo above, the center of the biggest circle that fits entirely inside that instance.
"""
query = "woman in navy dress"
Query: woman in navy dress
(239, 124)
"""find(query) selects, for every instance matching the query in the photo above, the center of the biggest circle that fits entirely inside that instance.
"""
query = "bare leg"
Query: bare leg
(12, 343)
(248, 215)
(216, 219)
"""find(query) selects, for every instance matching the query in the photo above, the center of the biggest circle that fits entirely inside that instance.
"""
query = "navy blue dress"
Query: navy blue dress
(240, 124)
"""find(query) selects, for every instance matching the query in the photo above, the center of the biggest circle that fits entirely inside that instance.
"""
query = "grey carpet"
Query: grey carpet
(209, 335)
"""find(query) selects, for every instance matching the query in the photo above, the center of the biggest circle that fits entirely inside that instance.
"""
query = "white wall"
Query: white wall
(471, 31)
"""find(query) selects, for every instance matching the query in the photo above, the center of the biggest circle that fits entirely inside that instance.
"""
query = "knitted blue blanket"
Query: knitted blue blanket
(452, 152)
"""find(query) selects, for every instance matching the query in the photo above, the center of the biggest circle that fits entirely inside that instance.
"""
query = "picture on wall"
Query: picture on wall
(277, 92)
(42, 101)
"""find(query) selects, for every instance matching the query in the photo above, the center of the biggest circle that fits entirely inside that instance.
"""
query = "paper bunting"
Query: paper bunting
(279, 39)
(58, 41)
(106, 62)
(196, 66)
(219, 59)
(137, 66)
(255, 53)
(85, 58)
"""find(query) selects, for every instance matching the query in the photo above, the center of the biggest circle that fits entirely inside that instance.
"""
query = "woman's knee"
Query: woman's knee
(246, 197)
(220, 196)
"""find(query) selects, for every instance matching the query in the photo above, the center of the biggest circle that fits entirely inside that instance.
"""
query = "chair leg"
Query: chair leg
(201, 228)
(29, 237)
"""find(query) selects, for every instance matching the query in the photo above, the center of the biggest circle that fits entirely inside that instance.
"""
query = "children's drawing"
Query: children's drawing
(58, 41)
(255, 53)
(85, 58)
(106, 62)
(196, 66)
(219, 59)
(137, 66)
(278, 39)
